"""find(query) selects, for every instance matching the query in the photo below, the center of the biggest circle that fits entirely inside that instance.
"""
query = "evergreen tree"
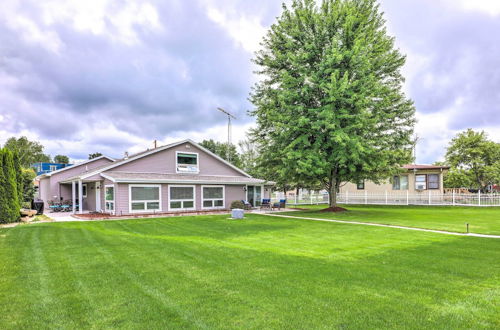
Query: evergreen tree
(11, 207)
(330, 106)
(3, 196)
(19, 178)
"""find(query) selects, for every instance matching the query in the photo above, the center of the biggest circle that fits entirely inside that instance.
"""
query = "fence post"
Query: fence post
(366, 197)
(479, 197)
(311, 197)
(407, 198)
(386, 196)
(453, 197)
(296, 199)
(429, 197)
(347, 197)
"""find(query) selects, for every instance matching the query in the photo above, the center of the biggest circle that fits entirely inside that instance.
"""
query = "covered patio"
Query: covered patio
(84, 195)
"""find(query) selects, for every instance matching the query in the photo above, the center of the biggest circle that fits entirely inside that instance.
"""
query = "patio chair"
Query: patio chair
(266, 204)
(281, 204)
(246, 205)
(54, 206)
(67, 206)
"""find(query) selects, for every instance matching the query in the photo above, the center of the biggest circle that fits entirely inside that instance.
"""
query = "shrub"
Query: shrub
(237, 205)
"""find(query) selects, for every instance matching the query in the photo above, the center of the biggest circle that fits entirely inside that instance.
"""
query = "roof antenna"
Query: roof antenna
(229, 116)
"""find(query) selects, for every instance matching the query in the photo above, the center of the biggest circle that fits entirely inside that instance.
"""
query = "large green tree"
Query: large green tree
(9, 199)
(29, 152)
(329, 105)
(474, 161)
(61, 159)
(19, 178)
(223, 150)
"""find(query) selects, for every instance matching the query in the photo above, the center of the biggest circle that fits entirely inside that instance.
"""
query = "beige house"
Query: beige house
(415, 179)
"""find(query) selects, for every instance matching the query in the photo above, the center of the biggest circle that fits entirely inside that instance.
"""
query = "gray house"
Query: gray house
(178, 177)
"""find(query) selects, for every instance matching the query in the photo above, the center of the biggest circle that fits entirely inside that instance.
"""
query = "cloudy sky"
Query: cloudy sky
(110, 75)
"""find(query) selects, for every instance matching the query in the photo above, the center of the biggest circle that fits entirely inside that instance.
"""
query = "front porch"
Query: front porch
(82, 196)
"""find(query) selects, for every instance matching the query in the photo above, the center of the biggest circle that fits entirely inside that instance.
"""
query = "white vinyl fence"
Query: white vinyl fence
(394, 198)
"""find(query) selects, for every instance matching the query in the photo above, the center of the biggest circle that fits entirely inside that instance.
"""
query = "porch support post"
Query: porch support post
(73, 196)
(80, 197)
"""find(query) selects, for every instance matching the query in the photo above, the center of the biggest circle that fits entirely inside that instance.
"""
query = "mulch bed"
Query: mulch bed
(334, 209)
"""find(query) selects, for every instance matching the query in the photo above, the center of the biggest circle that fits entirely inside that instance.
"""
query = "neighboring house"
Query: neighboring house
(43, 168)
(181, 176)
(415, 179)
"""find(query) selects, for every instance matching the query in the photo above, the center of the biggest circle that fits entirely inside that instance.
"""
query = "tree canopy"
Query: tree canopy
(95, 155)
(329, 105)
(223, 150)
(474, 161)
(29, 152)
(61, 159)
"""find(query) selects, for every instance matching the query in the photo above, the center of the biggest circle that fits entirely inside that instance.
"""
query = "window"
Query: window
(181, 198)
(144, 198)
(52, 168)
(213, 197)
(187, 162)
(433, 181)
(400, 182)
(84, 190)
(360, 185)
(421, 181)
(109, 198)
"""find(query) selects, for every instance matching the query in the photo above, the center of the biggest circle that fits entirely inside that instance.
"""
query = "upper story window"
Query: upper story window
(360, 185)
(187, 162)
(52, 168)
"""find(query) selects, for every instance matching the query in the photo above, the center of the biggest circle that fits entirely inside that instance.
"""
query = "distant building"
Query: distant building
(43, 168)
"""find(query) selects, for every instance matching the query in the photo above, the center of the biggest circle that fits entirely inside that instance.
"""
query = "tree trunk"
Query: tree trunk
(332, 193)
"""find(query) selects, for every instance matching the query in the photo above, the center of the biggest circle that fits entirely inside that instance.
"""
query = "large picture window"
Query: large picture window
(187, 162)
(213, 197)
(144, 198)
(433, 181)
(421, 182)
(400, 182)
(181, 198)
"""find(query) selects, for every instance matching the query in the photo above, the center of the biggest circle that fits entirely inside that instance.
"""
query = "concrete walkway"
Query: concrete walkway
(388, 226)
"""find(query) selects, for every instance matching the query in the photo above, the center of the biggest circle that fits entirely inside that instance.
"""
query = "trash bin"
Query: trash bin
(237, 213)
(37, 204)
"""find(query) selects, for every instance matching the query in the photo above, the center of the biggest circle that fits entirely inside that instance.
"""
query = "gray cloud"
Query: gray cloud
(171, 79)
(459, 70)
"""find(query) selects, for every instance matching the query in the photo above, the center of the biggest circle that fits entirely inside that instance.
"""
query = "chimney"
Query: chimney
(126, 155)
(154, 144)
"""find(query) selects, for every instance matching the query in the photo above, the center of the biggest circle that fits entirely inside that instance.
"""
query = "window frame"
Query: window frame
(438, 181)
(110, 201)
(399, 182)
(84, 190)
(130, 186)
(425, 181)
(52, 168)
(358, 184)
(177, 152)
(181, 200)
(203, 199)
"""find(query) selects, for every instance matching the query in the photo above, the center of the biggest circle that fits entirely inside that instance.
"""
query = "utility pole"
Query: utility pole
(229, 116)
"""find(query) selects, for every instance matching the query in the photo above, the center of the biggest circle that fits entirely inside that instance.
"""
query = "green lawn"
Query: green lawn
(262, 272)
(481, 220)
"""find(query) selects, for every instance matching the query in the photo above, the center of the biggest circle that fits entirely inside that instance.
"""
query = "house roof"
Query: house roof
(131, 177)
(424, 167)
(153, 151)
(73, 166)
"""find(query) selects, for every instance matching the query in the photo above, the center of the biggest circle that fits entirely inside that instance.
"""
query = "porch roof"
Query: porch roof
(128, 177)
